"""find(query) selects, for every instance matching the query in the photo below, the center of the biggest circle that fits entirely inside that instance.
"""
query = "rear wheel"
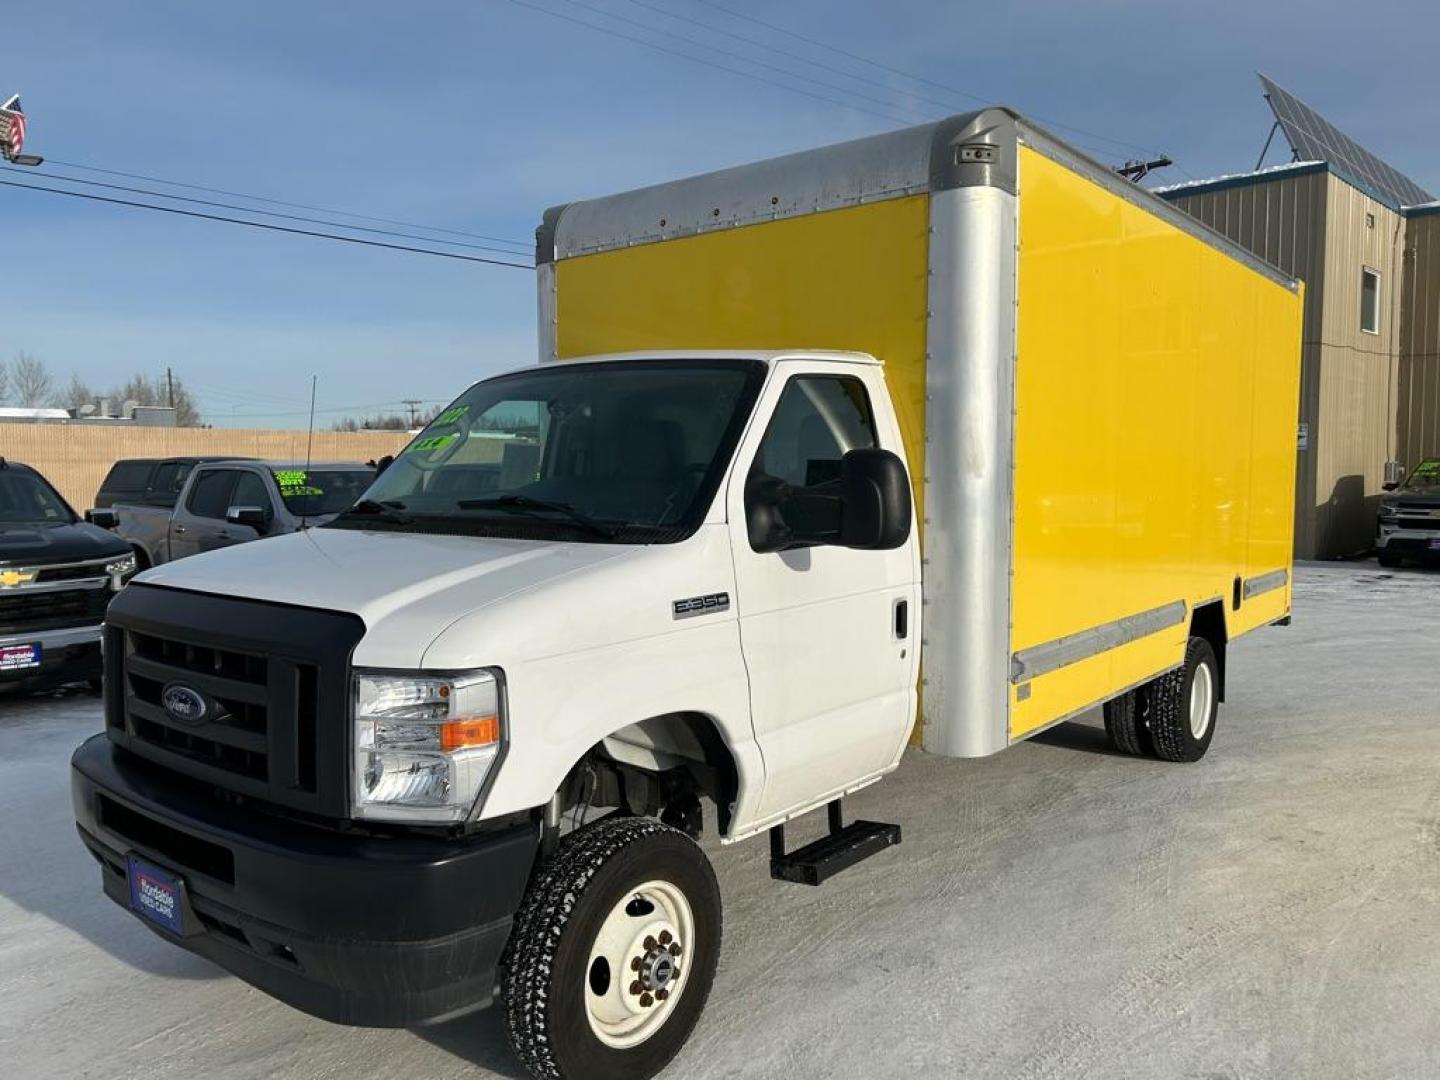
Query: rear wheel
(613, 953)
(1388, 560)
(1180, 708)
(1124, 725)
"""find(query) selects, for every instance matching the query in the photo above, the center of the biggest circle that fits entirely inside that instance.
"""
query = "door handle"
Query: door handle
(179, 528)
(902, 619)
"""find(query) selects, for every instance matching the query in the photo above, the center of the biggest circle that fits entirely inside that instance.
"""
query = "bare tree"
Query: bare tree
(74, 397)
(32, 381)
(146, 391)
(4, 383)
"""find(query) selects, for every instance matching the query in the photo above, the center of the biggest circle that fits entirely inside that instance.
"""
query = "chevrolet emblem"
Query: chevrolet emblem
(10, 578)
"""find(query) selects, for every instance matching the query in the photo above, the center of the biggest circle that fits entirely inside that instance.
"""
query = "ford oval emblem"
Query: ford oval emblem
(184, 704)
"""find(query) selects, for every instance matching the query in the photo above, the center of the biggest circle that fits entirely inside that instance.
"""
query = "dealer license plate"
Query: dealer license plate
(156, 895)
(19, 657)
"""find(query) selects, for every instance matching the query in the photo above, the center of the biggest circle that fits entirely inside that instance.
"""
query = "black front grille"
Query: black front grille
(274, 681)
(1427, 523)
(79, 572)
(24, 610)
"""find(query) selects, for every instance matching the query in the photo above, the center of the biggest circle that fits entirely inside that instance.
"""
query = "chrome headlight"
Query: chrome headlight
(425, 745)
(119, 570)
(1389, 511)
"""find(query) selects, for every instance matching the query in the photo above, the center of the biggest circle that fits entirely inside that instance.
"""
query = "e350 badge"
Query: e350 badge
(702, 605)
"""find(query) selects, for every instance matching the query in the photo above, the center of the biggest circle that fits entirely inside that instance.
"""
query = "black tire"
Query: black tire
(1125, 726)
(1389, 561)
(1167, 706)
(546, 960)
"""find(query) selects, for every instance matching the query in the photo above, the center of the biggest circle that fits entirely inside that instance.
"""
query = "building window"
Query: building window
(1370, 301)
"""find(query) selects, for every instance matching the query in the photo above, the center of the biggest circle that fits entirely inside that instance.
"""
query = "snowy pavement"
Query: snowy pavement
(1055, 911)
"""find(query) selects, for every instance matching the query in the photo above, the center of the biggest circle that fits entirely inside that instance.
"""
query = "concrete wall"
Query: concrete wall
(1417, 419)
(76, 457)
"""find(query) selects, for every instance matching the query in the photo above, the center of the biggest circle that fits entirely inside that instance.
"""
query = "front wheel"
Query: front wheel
(613, 953)
(1389, 561)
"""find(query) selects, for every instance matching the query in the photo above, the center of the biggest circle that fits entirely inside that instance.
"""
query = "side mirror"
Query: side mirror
(106, 518)
(1389, 485)
(256, 517)
(868, 509)
(875, 501)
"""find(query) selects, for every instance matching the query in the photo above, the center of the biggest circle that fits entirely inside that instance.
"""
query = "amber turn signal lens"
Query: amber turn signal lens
(462, 734)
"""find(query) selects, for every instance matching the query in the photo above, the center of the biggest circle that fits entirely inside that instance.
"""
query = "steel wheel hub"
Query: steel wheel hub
(637, 964)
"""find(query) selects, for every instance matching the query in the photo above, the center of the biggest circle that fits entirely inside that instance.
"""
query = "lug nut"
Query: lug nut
(675, 949)
(662, 994)
(649, 943)
(635, 987)
(665, 937)
(635, 964)
(646, 1001)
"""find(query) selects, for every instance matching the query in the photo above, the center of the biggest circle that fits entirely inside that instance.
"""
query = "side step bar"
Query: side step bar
(846, 845)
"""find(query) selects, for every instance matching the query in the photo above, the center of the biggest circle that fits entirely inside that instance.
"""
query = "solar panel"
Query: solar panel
(1314, 138)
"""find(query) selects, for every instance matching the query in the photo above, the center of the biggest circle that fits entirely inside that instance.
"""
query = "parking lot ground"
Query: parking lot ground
(1055, 911)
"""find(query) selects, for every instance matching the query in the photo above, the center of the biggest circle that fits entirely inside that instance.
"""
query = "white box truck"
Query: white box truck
(942, 436)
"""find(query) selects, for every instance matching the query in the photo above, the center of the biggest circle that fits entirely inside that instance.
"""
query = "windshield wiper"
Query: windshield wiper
(524, 504)
(388, 510)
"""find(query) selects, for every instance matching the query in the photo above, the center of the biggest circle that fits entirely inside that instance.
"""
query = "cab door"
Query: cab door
(830, 635)
(198, 523)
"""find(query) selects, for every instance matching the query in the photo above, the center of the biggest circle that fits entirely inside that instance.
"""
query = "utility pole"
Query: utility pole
(169, 388)
(412, 403)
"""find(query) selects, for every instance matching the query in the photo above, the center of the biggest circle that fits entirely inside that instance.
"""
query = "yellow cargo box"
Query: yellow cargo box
(1098, 395)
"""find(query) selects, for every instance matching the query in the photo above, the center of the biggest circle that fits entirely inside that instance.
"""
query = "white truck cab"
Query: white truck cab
(625, 582)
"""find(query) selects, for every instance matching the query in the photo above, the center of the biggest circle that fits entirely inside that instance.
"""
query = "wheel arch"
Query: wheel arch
(1208, 622)
(689, 741)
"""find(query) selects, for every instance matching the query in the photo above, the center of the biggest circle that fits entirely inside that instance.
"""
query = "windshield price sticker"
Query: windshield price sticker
(1427, 470)
(292, 483)
(451, 416)
(434, 444)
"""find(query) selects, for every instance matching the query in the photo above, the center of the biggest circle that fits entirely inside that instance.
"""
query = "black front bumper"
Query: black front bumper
(380, 931)
(66, 656)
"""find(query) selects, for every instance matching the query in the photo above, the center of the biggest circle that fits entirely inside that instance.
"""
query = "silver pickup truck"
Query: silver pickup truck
(232, 502)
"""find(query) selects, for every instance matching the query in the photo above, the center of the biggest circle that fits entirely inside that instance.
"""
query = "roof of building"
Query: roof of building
(1239, 179)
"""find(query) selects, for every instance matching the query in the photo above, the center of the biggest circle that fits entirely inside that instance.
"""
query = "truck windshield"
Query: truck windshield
(25, 499)
(316, 492)
(623, 452)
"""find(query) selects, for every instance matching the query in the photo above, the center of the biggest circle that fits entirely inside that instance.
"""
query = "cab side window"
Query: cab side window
(250, 490)
(818, 420)
(210, 494)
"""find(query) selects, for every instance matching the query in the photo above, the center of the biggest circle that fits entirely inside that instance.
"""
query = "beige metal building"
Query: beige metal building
(1370, 383)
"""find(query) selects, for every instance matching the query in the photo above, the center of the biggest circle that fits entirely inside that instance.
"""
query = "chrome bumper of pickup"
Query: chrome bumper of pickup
(55, 639)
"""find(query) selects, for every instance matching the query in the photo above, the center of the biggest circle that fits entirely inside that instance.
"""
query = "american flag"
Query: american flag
(13, 118)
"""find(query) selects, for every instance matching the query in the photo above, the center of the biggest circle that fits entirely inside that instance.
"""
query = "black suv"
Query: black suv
(57, 575)
(150, 481)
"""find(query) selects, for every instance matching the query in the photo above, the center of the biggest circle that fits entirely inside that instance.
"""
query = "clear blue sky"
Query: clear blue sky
(477, 115)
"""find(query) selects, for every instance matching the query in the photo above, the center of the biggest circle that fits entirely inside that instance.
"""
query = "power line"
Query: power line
(708, 63)
(757, 43)
(254, 210)
(336, 409)
(267, 226)
(605, 13)
(913, 78)
(524, 245)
